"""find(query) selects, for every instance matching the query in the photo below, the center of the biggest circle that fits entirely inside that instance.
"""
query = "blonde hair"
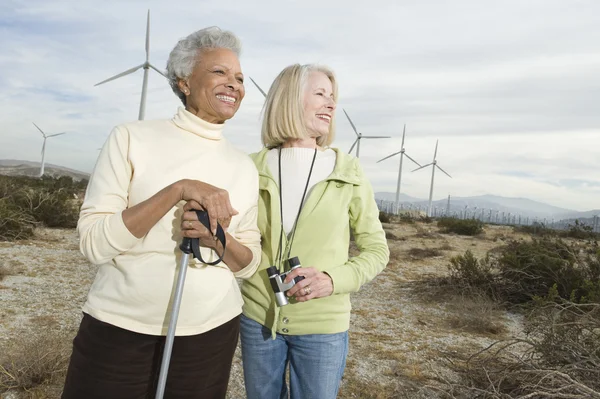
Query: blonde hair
(283, 112)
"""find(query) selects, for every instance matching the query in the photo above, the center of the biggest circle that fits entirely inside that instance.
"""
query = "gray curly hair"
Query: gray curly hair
(184, 56)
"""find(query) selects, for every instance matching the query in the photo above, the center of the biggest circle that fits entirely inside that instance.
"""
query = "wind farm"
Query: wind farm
(402, 153)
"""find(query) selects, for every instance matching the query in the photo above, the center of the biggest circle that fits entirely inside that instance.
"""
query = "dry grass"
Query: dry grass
(422, 253)
(35, 361)
(475, 314)
(4, 272)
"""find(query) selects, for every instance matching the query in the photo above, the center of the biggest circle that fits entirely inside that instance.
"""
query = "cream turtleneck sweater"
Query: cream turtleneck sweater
(136, 277)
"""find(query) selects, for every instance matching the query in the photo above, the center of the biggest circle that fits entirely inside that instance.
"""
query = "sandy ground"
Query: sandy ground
(398, 332)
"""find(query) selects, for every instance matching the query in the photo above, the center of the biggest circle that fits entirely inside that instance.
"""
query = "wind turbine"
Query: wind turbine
(433, 166)
(360, 136)
(44, 146)
(258, 87)
(146, 65)
(402, 154)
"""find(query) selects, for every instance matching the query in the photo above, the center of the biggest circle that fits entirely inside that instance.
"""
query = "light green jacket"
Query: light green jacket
(343, 201)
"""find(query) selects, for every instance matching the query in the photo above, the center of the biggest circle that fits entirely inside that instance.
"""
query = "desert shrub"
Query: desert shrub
(26, 201)
(391, 236)
(521, 271)
(15, 223)
(422, 253)
(407, 217)
(466, 271)
(384, 217)
(426, 219)
(536, 229)
(580, 231)
(558, 358)
(466, 227)
(53, 208)
(475, 313)
(34, 359)
(530, 269)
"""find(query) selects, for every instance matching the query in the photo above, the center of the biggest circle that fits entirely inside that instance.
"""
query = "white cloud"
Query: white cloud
(510, 89)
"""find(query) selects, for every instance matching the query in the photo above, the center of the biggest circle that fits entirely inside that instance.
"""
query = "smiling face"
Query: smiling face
(319, 104)
(215, 89)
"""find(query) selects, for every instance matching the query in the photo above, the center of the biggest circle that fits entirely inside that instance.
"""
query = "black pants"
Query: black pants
(109, 362)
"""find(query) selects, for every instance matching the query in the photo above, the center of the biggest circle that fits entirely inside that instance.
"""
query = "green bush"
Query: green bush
(468, 271)
(465, 227)
(524, 270)
(532, 269)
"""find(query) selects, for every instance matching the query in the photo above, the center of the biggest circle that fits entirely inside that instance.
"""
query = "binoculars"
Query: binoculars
(276, 279)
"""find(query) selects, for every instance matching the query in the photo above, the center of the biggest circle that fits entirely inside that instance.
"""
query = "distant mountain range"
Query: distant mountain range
(516, 206)
(13, 167)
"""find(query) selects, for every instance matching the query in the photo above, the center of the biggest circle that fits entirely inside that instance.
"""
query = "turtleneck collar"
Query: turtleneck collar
(193, 124)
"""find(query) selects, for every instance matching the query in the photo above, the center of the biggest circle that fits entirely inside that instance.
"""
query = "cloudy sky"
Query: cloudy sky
(511, 89)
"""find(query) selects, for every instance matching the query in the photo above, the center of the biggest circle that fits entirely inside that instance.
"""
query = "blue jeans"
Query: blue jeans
(316, 363)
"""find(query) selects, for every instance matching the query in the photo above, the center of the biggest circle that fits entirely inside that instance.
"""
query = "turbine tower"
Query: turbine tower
(402, 153)
(44, 146)
(360, 136)
(433, 166)
(146, 65)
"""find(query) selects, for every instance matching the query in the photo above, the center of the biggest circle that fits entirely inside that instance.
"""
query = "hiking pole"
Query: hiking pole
(188, 246)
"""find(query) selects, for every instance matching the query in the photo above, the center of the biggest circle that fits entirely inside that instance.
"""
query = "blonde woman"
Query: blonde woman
(311, 196)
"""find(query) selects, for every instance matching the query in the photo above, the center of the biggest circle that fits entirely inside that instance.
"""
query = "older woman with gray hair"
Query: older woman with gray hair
(147, 181)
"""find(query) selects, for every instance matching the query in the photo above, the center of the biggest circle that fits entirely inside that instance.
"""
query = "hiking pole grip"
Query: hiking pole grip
(186, 248)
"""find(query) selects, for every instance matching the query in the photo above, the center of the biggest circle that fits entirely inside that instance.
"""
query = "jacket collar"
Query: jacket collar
(346, 167)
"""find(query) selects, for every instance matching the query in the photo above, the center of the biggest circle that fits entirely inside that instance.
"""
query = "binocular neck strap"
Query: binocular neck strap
(194, 243)
(293, 232)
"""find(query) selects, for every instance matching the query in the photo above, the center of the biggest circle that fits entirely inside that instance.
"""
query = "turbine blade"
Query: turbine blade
(38, 128)
(56, 134)
(376, 137)
(157, 70)
(403, 134)
(44, 147)
(443, 171)
(148, 36)
(389, 156)
(408, 156)
(353, 145)
(352, 124)
(435, 152)
(127, 72)
(258, 87)
(424, 166)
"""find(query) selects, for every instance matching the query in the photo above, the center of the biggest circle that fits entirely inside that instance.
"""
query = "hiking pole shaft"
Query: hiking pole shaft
(164, 367)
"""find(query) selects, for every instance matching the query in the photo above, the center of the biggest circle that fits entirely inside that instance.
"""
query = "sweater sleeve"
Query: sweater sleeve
(248, 233)
(370, 239)
(102, 232)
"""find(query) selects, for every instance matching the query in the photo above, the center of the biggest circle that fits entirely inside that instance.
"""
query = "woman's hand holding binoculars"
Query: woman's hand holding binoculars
(315, 284)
